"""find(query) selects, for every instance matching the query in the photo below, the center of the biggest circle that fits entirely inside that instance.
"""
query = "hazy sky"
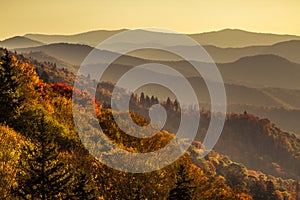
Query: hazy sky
(189, 16)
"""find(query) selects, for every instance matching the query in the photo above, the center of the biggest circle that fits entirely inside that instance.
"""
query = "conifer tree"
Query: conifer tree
(45, 77)
(183, 189)
(81, 189)
(152, 100)
(11, 99)
(42, 175)
(147, 101)
(176, 105)
(142, 99)
(271, 191)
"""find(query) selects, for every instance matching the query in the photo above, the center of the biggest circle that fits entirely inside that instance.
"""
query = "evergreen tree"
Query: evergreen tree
(176, 105)
(42, 175)
(45, 77)
(156, 100)
(11, 98)
(183, 189)
(152, 100)
(147, 101)
(142, 99)
(168, 101)
(81, 189)
(169, 104)
(271, 191)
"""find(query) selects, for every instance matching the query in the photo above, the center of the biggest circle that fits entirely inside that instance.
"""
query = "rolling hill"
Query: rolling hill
(19, 42)
(255, 71)
(76, 53)
(239, 38)
(256, 142)
(43, 57)
(263, 102)
(71, 53)
(91, 38)
(262, 71)
(287, 49)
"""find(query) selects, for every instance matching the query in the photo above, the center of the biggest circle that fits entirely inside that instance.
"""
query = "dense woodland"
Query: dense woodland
(42, 157)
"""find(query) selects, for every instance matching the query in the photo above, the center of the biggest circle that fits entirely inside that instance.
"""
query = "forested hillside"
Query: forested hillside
(42, 157)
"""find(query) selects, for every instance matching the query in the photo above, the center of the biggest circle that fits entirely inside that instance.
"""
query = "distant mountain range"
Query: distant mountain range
(76, 53)
(281, 105)
(91, 38)
(287, 49)
(224, 38)
(255, 71)
(261, 72)
(224, 46)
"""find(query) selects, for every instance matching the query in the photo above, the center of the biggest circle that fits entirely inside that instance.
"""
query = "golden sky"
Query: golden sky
(190, 16)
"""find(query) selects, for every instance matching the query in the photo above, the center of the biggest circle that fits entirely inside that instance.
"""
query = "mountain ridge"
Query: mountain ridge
(19, 41)
(230, 37)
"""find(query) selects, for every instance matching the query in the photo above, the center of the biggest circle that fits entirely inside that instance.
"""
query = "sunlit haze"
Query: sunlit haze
(69, 17)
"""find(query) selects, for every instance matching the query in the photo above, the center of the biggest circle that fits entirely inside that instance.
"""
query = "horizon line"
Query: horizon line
(148, 29)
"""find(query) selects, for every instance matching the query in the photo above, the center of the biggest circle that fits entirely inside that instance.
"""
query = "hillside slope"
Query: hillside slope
(19, 42)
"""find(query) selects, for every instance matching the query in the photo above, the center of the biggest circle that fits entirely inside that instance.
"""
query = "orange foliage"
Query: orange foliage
(63, 89)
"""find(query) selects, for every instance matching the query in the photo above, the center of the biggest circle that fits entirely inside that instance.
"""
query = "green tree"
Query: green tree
(183, 189)
(11, 97)
(42, 175)
(18, 81)
(81, 190)
(45, 77)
